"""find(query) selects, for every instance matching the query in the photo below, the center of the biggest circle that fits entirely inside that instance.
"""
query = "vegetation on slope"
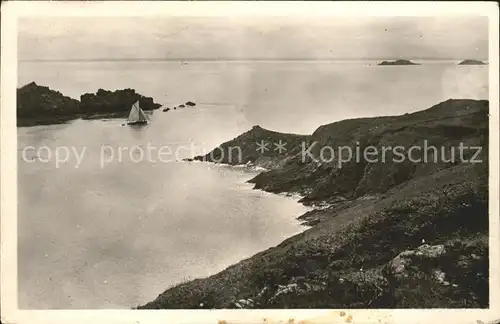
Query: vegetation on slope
(371, 246)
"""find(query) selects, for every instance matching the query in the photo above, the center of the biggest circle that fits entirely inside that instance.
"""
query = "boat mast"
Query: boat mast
(142, 116)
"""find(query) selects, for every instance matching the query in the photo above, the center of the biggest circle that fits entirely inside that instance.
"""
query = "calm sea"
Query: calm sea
(114, 231)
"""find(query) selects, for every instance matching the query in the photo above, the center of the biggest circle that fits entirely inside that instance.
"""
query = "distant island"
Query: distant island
(471, 62)
(398, 62)
(40, 105)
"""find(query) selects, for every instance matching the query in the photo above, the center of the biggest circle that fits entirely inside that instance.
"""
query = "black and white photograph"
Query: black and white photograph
(266, 161)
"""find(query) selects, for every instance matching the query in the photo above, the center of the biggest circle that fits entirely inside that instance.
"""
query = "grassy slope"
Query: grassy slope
(376, 211)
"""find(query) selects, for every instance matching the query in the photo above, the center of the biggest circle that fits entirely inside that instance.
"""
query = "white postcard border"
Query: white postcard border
(8, 162)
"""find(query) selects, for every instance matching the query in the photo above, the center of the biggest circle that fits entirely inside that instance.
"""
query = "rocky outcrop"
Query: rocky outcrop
(37, 105)
(365, 248)
(398, 62)
(258, 146)
(455, 268)
(471, 62)
(400, 263)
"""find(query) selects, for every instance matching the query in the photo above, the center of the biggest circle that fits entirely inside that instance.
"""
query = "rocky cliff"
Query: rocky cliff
(369, 242)
(38, 105)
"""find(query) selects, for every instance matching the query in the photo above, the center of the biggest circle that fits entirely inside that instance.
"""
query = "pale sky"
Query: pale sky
(254, 38)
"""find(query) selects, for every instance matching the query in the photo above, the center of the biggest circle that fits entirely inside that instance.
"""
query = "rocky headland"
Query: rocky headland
(471, 62)
(268, 158)
(384, 234)
(40, 105)
(398, 62)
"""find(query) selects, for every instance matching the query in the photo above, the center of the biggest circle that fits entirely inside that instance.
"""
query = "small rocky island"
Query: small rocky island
(471, 62)
(187, 104)
(40, 105)
(398, 62)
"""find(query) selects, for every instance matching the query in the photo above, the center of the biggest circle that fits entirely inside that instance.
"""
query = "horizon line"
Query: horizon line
(157, 59)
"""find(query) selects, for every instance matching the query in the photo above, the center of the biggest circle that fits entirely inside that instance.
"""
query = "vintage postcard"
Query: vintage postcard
(249, 162)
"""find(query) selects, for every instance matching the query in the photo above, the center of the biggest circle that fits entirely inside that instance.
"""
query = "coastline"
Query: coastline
(361, 236)
(304, 219)
(355, 243)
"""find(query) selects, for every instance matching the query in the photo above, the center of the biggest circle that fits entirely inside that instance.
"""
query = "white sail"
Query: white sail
(142, 116)
(134, 113)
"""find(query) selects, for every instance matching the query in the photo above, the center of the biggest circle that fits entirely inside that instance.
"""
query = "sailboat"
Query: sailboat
(136, 116)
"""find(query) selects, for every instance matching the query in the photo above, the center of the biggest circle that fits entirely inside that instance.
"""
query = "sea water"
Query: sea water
(117, 234)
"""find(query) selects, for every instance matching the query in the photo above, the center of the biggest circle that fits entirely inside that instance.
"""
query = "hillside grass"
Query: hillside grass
(374, 212)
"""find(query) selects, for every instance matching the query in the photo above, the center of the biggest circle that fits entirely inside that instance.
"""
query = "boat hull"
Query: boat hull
(135, 123)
